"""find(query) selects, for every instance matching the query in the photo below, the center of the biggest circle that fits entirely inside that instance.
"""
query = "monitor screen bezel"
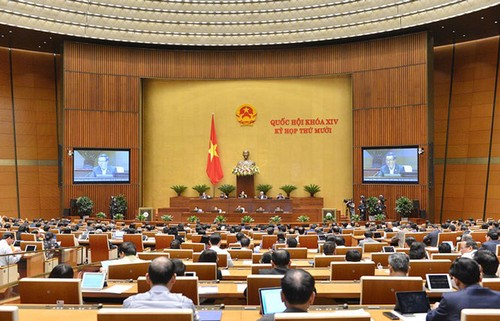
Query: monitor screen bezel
(391, 147)
(103, 150)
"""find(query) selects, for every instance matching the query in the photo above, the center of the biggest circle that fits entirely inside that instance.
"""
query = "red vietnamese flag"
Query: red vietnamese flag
(214, 170)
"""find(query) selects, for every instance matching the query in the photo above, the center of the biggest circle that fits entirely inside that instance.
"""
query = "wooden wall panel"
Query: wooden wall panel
(102, 90)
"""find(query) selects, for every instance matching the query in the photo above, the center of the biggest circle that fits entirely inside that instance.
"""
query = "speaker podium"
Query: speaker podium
(245, 184)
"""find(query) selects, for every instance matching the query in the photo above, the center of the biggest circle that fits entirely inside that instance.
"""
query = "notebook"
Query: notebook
(270, 300)
(412, 305)
(439, 282)
(93, 281)
(30, 248)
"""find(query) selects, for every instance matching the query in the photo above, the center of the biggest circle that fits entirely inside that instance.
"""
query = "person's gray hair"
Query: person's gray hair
(400, 262)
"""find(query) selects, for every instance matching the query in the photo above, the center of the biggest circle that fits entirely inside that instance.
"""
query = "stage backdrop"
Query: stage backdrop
(302, 134)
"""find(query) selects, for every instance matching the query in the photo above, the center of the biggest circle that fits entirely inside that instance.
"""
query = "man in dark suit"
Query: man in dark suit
(103, 168)
(390, 167)
(280, 261)
(297, 292)
(431, 239)
(467, 274)
(491, 241)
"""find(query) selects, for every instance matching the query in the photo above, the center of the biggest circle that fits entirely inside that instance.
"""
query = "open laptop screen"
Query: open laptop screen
(412, 302)
(270, 300)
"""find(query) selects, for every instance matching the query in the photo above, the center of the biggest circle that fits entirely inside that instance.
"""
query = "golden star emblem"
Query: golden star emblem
(212, 150)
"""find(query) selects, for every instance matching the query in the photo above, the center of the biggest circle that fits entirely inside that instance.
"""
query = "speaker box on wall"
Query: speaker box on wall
(416, 209)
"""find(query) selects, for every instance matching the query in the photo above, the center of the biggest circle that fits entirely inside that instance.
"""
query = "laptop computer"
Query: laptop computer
(30, 248)
(93, 281)
(377, 235)
(270, 301)
(412, 305)
(438, 282)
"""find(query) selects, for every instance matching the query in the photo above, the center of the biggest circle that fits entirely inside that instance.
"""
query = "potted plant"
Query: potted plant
(329, 218)
(264, 188)
(101, 215)
(227, 189)
(118, 216)
(167, 218)
(219, 219)
(371, 203)
(312, 189)
(202, 188)
(288, 189)
(142, 216)
(379, 217)
(404, 207)
(247, 219)
(193, 219)
(84, 206)
(118, 204)
(355, 218)
(179, 189)
(275, 219)
(303, 218)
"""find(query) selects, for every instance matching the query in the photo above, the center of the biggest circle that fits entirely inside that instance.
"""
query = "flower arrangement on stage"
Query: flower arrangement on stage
(246, 170)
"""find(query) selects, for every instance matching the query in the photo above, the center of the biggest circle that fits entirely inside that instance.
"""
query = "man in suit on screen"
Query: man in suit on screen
(390, 167)
(103, 169)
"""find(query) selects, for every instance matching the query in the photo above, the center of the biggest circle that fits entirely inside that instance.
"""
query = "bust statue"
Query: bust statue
(245, 167)
(246, 161)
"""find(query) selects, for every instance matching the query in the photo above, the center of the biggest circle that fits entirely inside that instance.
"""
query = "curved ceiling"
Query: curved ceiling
(213, 23)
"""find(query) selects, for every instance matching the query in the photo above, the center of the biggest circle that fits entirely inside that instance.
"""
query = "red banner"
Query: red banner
(214, 169)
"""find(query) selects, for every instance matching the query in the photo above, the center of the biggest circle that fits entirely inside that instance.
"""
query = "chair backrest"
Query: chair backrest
(222, 262)
(324, 260)
(186, 285)
(423, 267)
(268, 241)
(493, 284)
(257, 235)
(179, 253)
(162, 241)
(256, 257)
(67, 240)
(136, 239)
(204, 271)
(127, 271)
(257, 281)
(242, 254)
(309, 241)
(152, 255)
(343, 250)
(446, 256)
(479, 236)
(419, 236)
(351, 270)
(449, 236)
(196, 247)
(403, 250)
(374, 247)
(49, 291)
(480, 315)
(382, 289)
(119, 314)
(297, 252)
(255, 268)
(324, 316)
(28, 237)
(196, 238)
(231, 238)
(9, 313)
(380, 257)
(99, 247)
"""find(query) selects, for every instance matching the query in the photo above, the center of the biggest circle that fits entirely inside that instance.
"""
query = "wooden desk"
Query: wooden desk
(32, 264)
(230, 313)
(241, 274)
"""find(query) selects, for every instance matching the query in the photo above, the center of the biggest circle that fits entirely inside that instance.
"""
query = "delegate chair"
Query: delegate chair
(493, 284)
(72, 256)
(423, 267)
(324, 316)
(242, 254)
(343, 250)
(324, 260)
(380, 258)
(184, 254)
(204, 271)
(28, 237)
(256, 257)
(449, 236)
(136, 239)
(255, 268)
(196, 238)
(480, 315)
(149, 256)
(119, 314)
(257, 236)
(127, 271)
(163, 241)
(479, 235)
(49, 291)
(196, 247)
(268, 241)
(419, 236)
(373, 247)
(256, 281)
(231, 238)
(222, 262)
(350, 271)
(309, 241)
(403, 250)
(9, 313)
(382, 289)
(446, 256)
(186, 285)
(297, 252)
(99, 248)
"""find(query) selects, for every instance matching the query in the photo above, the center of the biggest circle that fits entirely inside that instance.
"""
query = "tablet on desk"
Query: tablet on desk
(30, 248)
(438, 282)
(270, 301)
(388, 249)
(93, 281)
(412, 305)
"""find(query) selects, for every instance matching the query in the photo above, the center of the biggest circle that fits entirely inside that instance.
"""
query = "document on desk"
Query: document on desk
(241, 287)
(117, 289)
(225, 272)
(208, 289)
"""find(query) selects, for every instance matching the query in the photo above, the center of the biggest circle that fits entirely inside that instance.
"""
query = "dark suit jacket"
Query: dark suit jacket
(111, 170)
(491, 245)
(432, 237)
(473, 296)
(277, 271)
(398, 169)
(270, 317)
